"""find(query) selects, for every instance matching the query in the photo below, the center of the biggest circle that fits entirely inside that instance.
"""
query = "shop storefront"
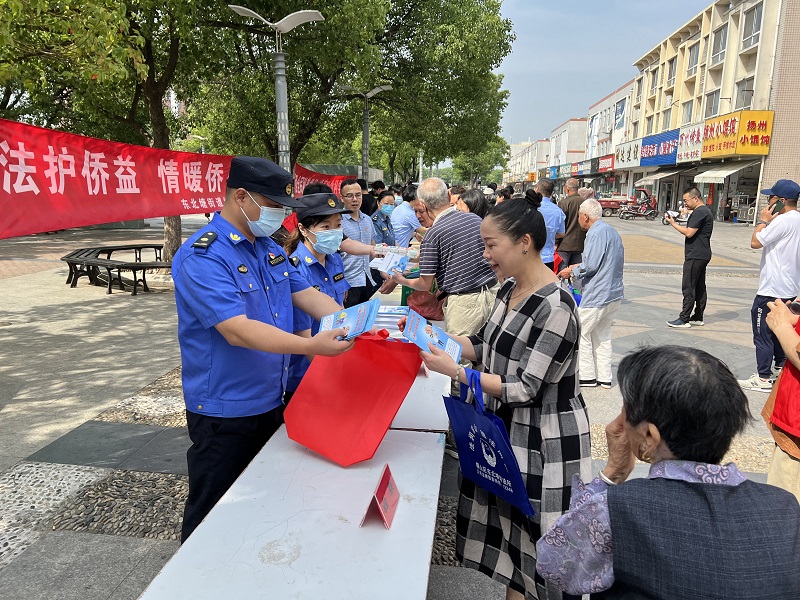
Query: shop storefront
(732, 149)
(661, 151)
(626, 166)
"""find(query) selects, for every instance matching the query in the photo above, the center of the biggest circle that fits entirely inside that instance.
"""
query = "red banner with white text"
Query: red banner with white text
(54, 180)
(304, 177)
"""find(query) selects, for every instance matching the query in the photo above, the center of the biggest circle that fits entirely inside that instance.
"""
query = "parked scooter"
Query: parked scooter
(637, 209)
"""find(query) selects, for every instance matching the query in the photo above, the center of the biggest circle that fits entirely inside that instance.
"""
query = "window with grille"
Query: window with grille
(694, 56)
(712, 104)
(719, 44)
(687, 112)
(744, 93)
(751, 32)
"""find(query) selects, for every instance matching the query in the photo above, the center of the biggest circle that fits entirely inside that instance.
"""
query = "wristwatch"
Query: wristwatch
(762, 223)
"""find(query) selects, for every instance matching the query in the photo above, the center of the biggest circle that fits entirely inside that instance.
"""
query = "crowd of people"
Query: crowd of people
(252, 285)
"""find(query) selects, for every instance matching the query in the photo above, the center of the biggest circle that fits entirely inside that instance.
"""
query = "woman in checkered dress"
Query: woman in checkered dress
(529, 352)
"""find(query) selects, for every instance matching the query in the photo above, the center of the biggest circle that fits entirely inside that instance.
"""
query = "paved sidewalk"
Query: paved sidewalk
(92, 452)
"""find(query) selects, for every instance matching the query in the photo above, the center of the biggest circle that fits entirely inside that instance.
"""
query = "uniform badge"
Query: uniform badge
(242, 269)
(289, 189)
(316, 287)
(309, 260)
(331, 202)
(235, 237)
(276, 260)
(338, 277)
(271, 255)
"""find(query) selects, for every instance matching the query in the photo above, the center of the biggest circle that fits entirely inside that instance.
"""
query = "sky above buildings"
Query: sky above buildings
(569, 54)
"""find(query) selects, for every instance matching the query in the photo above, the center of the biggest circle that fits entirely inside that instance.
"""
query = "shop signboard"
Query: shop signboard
(659, 149)
(742, 133)
(605, 164)
(626, 155)
(690, 143)
(584, 167)
(552, 172)
(542, 173)
(565, 171)
(573, 169)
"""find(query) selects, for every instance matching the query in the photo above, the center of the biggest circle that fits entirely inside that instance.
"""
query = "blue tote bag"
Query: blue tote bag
(484, 450)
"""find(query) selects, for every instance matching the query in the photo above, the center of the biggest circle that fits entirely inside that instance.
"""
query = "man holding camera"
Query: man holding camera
(778, 233)
(697, 255)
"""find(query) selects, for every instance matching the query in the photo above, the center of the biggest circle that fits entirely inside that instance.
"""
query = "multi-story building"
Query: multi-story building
(703, 105)
(609, 122)
(568, 142)
(524, 161)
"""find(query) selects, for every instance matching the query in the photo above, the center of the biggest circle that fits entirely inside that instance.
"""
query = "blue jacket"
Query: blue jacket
(214, 281)
(329, 280)
(600, 273)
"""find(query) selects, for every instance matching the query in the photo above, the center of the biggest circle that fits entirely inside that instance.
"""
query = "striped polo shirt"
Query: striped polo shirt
(452, 251)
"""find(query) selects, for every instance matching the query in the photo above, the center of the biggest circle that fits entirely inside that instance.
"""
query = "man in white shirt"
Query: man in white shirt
(778, 233)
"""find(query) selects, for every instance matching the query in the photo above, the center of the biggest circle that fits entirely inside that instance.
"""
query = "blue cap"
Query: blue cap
(256, 174)
(320, 205)
(784, 188)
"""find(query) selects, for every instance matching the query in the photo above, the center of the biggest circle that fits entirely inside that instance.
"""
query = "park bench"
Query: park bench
(90, 262)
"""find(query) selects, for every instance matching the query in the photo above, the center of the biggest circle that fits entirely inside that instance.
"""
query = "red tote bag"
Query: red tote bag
(345, 404)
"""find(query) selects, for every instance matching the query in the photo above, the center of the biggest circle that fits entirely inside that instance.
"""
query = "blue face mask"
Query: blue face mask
(398, 200)
(387, 209)
(269, 221)
(328, 240)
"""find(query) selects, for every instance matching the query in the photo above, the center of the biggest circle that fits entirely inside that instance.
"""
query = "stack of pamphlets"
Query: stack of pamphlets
(388, 316)
(422, 332)
(357, 319)
(390, 263)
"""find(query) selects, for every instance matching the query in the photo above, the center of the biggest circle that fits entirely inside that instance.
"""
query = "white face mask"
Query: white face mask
(269, 219)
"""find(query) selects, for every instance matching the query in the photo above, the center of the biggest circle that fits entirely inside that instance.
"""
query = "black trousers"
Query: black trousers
(357, 295)
(221, 449)
(694, 290)
(768, 348)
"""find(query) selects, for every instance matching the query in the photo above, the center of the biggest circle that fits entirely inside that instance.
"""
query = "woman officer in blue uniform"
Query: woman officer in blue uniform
(312, 248)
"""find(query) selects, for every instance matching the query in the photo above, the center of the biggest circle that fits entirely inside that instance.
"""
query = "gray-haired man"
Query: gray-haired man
(601, 288)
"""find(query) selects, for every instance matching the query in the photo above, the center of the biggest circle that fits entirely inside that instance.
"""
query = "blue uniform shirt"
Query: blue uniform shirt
(329, 280)
(405, 223)
(231, 277)
(384, 232)
(554, 219)
(356, 268)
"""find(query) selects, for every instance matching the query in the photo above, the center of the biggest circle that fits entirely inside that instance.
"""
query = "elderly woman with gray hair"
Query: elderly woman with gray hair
(693, 528)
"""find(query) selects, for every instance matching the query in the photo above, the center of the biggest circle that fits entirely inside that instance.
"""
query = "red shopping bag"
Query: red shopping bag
(345, 404)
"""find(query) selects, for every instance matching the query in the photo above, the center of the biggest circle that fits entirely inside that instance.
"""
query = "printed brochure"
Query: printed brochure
(422, 332)
(357, 319)
(390, 262)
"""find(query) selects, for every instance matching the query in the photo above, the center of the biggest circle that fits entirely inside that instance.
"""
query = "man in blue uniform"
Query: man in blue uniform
(235, 290)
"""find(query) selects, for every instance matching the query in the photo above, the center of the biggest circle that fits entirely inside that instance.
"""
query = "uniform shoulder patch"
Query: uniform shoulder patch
(295, 260)
(205, 240)
(375, 217)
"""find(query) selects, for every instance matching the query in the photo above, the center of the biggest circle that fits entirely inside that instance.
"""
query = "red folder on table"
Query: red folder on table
(345, 404)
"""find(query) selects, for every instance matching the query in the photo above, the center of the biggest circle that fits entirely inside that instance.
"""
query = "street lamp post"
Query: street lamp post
(365, 123)
(285, 25)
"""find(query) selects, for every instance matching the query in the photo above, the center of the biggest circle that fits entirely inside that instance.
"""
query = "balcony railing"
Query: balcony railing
(670, 82)
(717, 58)
(691, 71)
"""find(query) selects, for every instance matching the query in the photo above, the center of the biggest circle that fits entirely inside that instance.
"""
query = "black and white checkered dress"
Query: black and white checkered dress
(535, 351)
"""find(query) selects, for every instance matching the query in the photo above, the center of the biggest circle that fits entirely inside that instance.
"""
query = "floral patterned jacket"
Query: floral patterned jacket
(576, 553)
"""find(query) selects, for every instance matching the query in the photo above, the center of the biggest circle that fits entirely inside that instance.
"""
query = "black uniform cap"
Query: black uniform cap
(320, 205)
(256, 174)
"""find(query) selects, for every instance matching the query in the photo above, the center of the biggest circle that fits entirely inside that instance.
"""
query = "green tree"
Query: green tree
(469, 167)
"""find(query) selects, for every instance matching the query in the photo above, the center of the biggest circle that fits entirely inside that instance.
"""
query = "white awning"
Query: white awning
(718, 174)
(653, 177)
